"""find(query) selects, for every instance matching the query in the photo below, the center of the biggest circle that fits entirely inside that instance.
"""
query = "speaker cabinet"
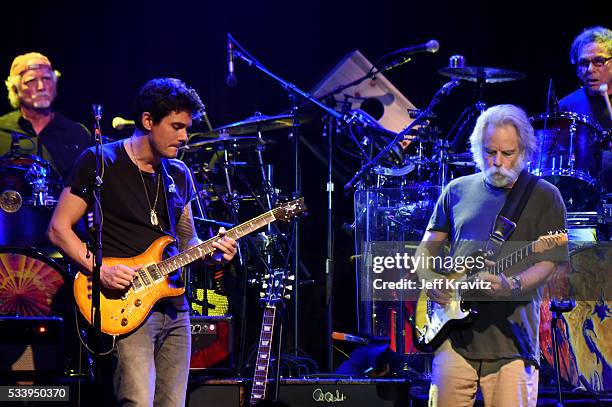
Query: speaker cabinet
(212, 343)
(31, 345)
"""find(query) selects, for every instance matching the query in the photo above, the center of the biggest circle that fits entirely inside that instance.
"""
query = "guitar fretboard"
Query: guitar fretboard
(513, 258)
(173, 263)
(263, 355)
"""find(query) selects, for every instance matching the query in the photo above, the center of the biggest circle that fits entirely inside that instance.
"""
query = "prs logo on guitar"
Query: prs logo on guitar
(274, 292)
(433, 322)
(122, 311)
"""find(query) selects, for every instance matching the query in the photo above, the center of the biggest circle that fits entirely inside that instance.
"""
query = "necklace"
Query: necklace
(153, 212)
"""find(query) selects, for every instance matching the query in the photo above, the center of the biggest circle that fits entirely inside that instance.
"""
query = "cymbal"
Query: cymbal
(483, 74)
(229, 142)
(255, 124)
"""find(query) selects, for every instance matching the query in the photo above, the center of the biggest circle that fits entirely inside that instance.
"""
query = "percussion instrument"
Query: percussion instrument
(569, 157)
(28, 193)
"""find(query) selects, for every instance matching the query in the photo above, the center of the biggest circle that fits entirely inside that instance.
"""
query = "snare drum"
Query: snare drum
(569, 157)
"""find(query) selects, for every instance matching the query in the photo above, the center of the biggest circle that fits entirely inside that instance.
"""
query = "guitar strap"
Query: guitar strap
(171, 196)
(505, 222)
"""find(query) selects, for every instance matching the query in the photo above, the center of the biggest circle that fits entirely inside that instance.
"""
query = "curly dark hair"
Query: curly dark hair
(162, 96)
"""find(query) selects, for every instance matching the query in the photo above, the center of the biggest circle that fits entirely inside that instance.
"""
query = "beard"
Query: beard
(501, 177)
(42, 100)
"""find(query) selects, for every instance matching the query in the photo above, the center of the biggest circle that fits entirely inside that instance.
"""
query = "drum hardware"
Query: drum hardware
(227, 142)
(10, 201)
(37, 177)
(582, 219)
(481, 74)
(254, 124)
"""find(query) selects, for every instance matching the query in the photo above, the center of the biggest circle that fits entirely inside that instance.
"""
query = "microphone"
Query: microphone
(230, 80)
(340, 336)
(119, 123)
(432, 46)
(97, 111)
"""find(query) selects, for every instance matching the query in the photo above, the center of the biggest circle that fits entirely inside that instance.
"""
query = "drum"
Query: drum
(569, 157)
(28, 194)
(32, 284)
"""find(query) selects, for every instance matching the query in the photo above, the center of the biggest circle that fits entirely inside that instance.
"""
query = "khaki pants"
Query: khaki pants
(454, 382)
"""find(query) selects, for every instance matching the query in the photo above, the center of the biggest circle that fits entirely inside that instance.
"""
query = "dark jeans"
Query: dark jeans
(152, 363)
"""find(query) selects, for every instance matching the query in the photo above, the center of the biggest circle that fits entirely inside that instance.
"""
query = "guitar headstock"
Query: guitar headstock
(550, 241)
(290, 209)
(274, 286)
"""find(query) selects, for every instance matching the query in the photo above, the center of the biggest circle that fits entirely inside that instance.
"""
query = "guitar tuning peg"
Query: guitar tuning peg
(289, 287)
(291, 277)
(262, 294)
(266, 276)
(264, 285)
(287, 296)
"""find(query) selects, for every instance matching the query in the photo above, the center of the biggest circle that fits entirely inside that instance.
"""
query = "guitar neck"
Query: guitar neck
(263, 355)
(190, 255)
(513, 258)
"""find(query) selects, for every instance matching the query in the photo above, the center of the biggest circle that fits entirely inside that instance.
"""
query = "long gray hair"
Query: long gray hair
(498, 116)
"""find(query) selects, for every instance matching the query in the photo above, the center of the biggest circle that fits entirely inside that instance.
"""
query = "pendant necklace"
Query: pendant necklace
(153, 213)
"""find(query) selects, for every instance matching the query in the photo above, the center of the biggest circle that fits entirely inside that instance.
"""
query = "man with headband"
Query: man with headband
(35, 125)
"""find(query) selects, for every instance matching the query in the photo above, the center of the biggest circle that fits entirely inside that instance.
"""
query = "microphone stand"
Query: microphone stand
(371, 73)
(443, 91)
(329, 261)
(97, 227)
(242, 55)
(293, 92)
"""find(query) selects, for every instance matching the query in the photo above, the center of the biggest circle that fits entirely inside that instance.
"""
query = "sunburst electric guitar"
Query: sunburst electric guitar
(122, 311)
(433, 322)
(277, 282)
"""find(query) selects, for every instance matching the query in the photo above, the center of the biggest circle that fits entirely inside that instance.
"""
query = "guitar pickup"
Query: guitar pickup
(154, 272)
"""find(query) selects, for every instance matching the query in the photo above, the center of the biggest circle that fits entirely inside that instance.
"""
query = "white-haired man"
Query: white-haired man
(41, 130)
(499, 351)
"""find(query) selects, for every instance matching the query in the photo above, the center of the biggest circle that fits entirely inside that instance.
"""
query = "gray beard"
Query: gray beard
(501, 177)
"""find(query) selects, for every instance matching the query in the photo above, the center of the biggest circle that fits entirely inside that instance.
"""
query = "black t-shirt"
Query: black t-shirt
(60, 142)
(581, 102)
(127, 229)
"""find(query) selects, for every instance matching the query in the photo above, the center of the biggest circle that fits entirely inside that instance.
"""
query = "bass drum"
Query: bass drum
(569, 156)
(32, 284)
(585, 332)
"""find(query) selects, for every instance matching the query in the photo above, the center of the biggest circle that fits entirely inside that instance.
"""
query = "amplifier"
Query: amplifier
(31, 344)
(320, 392)
(345, 392)
(212, 343)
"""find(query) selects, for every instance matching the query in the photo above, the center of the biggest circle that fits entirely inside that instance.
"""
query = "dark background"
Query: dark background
(106, 50)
